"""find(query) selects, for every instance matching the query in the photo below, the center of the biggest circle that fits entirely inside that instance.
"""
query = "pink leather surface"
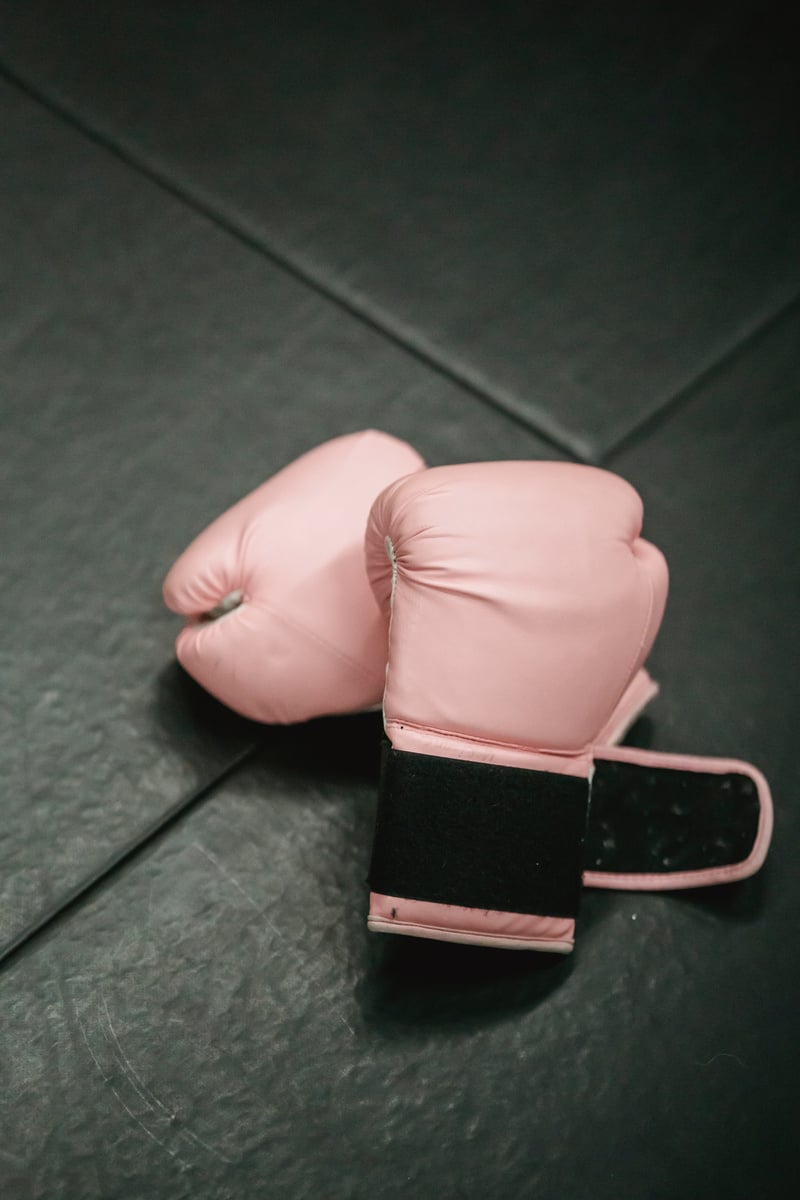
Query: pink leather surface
(523, 603)
(634, 700)
(308, 637)
(452, 923)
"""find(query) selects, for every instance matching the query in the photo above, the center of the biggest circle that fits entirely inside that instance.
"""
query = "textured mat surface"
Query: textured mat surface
(153, 370)
(578, 207)
(219, 1016)
(570, 209)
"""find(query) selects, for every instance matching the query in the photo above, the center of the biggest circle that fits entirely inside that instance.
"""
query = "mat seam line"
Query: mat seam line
(644, 429)
(130, 850)
(555, 437)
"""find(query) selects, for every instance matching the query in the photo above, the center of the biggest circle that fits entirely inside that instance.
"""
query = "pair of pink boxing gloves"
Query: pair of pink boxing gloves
(504, 612)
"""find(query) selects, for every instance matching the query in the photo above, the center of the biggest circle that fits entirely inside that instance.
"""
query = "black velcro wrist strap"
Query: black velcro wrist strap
(662, 820)
(479, 835)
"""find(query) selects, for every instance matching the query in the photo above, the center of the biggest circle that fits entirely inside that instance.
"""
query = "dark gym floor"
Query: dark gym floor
(230, 231)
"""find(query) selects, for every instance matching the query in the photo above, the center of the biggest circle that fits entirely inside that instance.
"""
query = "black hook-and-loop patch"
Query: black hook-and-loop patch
(661, 820)
(479, 835)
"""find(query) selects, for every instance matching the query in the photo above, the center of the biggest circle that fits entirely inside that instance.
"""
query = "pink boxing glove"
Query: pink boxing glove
(283, 625)
(282, 622)
(523, 603)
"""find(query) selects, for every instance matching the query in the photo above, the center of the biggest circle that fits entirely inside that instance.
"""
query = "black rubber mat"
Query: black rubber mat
(219, 1016)
(578, 208)
(361, 216)
(153, 370)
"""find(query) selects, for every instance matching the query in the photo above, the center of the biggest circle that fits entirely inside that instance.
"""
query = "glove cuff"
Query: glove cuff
(496, 842)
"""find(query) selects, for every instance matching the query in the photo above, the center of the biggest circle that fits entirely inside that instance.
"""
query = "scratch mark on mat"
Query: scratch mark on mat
(226, 874)
(107, 1080)
(148, 1097)
(723, 1054)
